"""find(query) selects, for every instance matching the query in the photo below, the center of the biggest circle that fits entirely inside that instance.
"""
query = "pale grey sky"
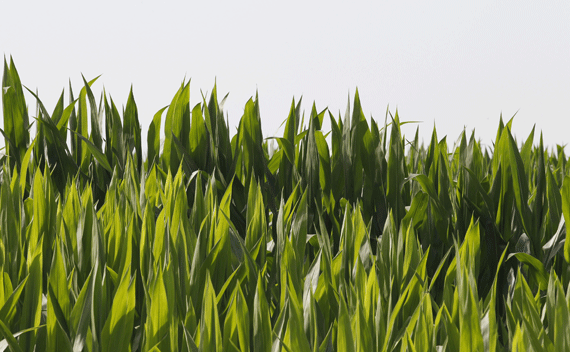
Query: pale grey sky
(453, 63)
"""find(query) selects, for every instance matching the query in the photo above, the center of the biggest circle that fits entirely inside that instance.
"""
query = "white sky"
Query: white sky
(455, 65)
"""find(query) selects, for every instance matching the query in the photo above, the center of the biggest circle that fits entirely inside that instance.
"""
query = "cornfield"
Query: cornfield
(355, 239)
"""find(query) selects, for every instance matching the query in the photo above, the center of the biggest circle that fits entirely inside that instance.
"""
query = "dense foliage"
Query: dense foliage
(351, 240)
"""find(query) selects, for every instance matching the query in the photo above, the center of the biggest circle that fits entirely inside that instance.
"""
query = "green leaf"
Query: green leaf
(9, 338)
(536, 268)
(177, 123)
(261, 320)
(345, 340)
(566, 211)
(59, 307)
(57, 329)
(489, 323)
(324, 162)
(9, 308)
(557, 312)
(210, 332)
(118, 328)
(24, 170)
(132, 128)
(396, 172)
(153, 139)
(295, 337)
(15, 114)
(96, 152)
(81, 314)
(32, 304)
(198, 138)
(157, 325)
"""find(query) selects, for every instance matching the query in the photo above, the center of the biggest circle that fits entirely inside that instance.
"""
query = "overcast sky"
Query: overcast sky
(443, 62)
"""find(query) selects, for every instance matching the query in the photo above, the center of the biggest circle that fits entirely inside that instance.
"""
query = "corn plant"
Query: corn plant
(353, 239)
